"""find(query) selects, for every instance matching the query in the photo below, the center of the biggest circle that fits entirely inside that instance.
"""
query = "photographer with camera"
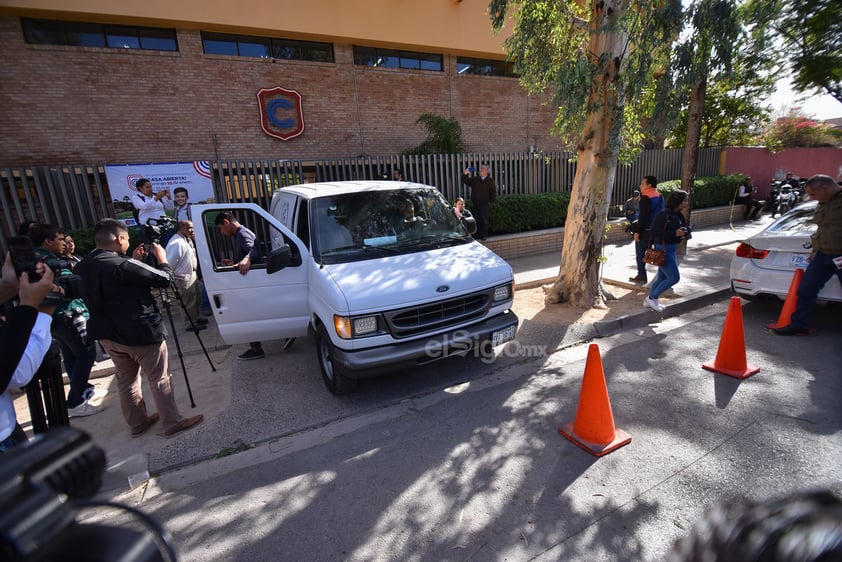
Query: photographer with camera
(24, 340)
(150, 205)
(126, 319)
(70, 320)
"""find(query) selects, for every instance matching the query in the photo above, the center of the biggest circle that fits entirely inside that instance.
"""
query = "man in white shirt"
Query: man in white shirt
(24, 341)
(150, 205)
(181, 255)
(745, 196)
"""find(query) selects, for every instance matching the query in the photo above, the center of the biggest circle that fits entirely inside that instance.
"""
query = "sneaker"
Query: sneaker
(186, 423)
(83, 409)
(93, 392)
(251, 354)
(638, 279)
(653, 304)
(791, 330)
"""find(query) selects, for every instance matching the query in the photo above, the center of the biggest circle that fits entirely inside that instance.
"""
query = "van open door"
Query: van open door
(268, 302)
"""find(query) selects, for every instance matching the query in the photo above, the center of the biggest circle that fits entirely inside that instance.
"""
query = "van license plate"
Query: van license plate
(502, 336)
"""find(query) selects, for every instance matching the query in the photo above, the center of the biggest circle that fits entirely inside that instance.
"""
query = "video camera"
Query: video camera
(155, 228)
(42, 484)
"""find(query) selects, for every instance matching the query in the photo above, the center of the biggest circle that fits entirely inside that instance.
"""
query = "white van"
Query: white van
(382, 272)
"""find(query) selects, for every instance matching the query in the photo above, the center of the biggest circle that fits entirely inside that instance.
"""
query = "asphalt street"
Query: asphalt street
(478, 471)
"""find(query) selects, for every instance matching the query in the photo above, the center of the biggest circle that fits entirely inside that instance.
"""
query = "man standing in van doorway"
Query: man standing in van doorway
(246, 252)
(483, 194)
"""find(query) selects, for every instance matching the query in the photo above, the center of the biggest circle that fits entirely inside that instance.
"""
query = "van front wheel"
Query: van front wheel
(333, 373)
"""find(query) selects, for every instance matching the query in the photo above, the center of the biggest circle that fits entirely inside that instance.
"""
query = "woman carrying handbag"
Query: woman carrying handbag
(668, 229)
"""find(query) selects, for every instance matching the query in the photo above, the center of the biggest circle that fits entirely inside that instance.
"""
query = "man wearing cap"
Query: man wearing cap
(483, 194)
(632, 207)
(744, 197)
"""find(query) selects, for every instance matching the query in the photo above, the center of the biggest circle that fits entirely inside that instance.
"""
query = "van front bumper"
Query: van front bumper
(374, 361)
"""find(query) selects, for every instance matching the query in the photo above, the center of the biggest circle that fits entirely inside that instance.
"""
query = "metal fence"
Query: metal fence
(77, 196)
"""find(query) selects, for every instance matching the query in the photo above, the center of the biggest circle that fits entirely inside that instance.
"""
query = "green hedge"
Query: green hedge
(522, 213)
(714, 191)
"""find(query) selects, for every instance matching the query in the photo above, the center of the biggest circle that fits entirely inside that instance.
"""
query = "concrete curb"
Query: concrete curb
(534, 283)
(605, 328)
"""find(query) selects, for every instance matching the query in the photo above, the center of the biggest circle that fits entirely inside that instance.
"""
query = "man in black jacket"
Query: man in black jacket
(126, 320)
(651, 203)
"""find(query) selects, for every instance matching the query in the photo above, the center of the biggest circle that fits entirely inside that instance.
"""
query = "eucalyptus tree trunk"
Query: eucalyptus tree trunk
(690, 160)
(578, 280)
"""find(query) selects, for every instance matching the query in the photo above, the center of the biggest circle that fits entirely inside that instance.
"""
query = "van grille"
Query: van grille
(430, 317)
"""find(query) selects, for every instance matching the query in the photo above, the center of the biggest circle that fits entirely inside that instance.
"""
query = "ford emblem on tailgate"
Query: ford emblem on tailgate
(442, 289)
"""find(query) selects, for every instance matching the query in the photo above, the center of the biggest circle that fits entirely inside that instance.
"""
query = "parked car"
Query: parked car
(764, 264)
(383, 273)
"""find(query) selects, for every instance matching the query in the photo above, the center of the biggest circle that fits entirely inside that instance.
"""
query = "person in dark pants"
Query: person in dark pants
(826, 259)
(745, 196)
(246, 252)
(651, 203)
(483, 194)
(125, 317)
(71, 316)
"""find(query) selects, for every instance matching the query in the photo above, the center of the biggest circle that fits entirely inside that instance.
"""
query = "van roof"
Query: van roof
(322, 189)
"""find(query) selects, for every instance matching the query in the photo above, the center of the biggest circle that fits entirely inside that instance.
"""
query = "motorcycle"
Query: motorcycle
(783, 199)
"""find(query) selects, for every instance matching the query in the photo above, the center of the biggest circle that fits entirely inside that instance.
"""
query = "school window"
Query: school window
(84, 34)
(265, 47)
(484, 67)
(391, 58)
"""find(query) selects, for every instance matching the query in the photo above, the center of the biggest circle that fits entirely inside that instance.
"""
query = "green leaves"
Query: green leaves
(444, 135)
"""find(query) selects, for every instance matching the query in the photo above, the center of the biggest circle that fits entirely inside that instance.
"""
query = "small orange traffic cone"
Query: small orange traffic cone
(593, 429)
(731, 355)
(790, 302)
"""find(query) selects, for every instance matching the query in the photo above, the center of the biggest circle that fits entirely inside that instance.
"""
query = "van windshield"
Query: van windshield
(372, 224)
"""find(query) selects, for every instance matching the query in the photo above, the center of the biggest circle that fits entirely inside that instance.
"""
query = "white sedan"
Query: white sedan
(765, 263)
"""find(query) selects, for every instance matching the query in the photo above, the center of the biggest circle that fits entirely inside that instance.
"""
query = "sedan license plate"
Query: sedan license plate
(800, 260)
(502, 336)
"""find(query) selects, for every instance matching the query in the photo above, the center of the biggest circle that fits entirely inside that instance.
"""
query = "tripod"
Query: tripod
(165, 299)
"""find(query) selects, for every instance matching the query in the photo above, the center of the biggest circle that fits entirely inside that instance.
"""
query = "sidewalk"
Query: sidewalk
(702, 270)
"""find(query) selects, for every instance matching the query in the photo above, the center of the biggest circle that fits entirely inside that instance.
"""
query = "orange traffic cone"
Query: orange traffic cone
(731, 355)
(790, 302)
(593, 429)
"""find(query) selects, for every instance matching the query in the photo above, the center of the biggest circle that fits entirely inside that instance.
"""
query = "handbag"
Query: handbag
(653, 256)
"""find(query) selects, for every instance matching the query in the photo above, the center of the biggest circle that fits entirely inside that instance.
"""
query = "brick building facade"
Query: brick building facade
(70, 104)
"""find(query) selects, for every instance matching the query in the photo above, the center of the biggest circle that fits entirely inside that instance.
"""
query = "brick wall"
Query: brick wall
(62, 104)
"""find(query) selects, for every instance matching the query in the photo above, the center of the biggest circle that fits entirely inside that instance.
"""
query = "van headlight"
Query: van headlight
(503, 292)
(349, 327)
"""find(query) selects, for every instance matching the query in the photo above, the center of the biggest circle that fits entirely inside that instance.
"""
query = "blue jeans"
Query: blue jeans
(78, 359)
(667, 274)
(820, 269)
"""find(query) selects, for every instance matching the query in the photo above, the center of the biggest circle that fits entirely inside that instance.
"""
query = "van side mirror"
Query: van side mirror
(279, 258)
(469, 222)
